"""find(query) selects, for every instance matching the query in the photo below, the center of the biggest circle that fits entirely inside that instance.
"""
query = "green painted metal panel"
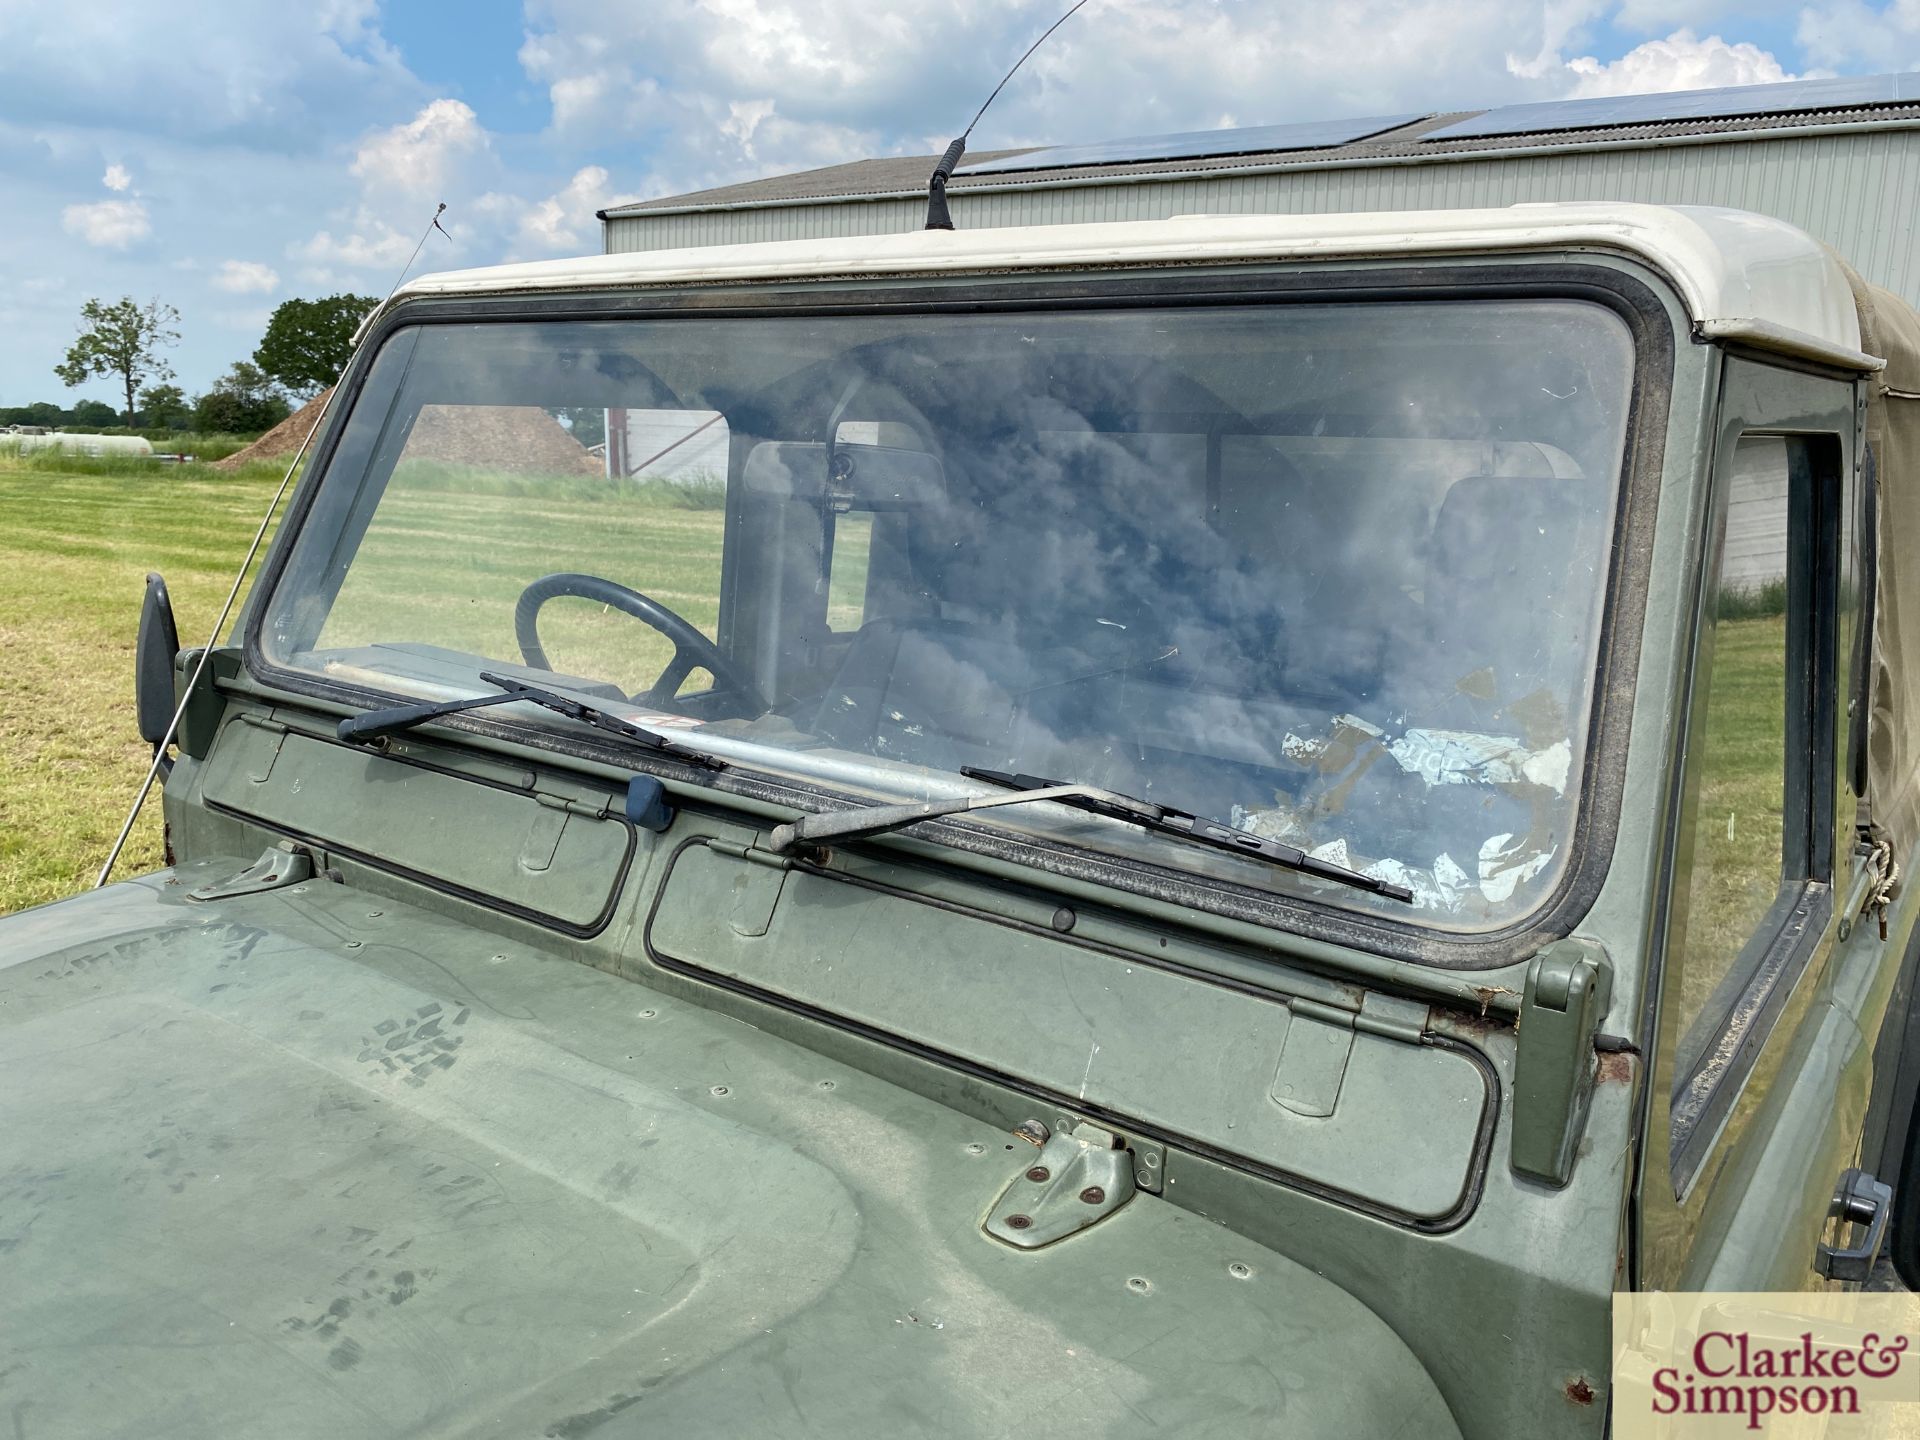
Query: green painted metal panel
(426, 1187)
(512, 849)
(1398, 1127)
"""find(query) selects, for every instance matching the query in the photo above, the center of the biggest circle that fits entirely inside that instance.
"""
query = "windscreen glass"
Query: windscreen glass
(1328, 573)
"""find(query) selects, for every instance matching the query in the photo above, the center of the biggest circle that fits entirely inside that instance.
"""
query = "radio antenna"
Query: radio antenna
(160, 761)
(938, 217)
(432, 225)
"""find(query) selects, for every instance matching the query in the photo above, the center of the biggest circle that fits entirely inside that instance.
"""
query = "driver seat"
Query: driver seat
(1510, 579)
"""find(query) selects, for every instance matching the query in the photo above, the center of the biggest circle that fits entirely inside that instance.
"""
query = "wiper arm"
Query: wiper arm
(1165, 820)
(375, 723)
(1029, 789)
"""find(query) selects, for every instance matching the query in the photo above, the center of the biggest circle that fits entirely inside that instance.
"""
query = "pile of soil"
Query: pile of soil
(520, 439)
(283, 439)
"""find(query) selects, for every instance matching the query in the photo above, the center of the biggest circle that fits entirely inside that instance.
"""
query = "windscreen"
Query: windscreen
(1331, 574)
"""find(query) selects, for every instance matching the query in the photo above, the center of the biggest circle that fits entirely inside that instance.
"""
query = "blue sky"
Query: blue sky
(224, 155)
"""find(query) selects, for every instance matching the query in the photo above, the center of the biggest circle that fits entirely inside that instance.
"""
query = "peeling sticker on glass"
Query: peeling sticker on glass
(1458, 757)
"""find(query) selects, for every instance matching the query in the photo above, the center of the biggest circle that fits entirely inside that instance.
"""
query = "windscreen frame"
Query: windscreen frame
(1651, 320)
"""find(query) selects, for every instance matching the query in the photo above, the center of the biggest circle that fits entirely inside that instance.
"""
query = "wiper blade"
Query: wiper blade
(375, 723)
(1030, 789)
(1165, 820)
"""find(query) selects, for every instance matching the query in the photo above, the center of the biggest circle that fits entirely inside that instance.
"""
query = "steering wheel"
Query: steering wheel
(691, 649)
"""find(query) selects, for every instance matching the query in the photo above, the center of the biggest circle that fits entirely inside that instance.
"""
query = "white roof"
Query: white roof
(1741, 276)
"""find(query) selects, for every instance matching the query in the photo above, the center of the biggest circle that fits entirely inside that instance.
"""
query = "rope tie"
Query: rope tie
(1886, 875)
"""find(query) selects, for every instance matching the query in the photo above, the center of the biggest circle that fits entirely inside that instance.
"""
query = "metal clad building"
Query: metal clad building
(1839, 159)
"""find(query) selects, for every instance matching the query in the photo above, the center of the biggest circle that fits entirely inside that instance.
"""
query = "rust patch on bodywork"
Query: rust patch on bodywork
(1487, 994)
(1579, 1391)
(1616, 1068)
(1477, 1026)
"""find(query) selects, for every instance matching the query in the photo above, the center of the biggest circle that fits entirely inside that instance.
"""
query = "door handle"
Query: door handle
(1859, 1200)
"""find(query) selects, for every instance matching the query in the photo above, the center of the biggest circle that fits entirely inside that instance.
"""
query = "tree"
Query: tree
(93, 414)
(244, 400)
(122, 339)
(43, 413)
(308, 341)
(164, 405)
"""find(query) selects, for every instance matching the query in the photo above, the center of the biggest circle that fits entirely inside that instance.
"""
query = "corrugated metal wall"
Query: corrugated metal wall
(1856, 191)
(1755, 554)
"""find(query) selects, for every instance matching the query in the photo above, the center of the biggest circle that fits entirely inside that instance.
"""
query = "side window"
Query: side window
(1758, 774)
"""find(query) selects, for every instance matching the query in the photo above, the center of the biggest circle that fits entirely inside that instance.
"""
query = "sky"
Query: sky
(225, 155)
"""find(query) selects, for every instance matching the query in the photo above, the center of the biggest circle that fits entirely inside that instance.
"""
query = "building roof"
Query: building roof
(1741, 276)
(1775, 110)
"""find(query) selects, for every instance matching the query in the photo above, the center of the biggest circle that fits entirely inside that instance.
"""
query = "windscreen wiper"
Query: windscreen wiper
(1028, 789)
(375, 723)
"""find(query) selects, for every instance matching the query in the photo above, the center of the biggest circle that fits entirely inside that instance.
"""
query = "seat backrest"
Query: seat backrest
(1511, 577)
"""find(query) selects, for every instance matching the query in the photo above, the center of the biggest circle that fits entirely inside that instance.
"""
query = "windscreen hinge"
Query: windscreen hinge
(1392, 1016)
(1076, 1179)
(1569, 984)
(279, 865)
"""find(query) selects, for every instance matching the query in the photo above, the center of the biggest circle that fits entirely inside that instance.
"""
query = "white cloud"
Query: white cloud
(422, 156)
(376, 245)
(118, 177)
(443, 153)
(245, 277)
(1662, 17)
(722, 89)
(110, 224)
(1847, 32)
(1682, 61)
(275, 77)
(1562, 22)
(563, 221)
(743, 118)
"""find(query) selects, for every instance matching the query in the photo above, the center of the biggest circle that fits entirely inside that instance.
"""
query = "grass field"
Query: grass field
(444, 561)
(1741, 806)
(450, 550)
(75, 546)
(447, 554)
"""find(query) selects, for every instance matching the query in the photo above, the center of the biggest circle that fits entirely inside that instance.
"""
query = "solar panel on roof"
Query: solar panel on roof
(1197, 144)
(1842, 93)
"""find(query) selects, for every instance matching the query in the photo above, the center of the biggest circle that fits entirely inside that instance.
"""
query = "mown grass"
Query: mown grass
(75, 546)
(1741, 809)
(451, 549)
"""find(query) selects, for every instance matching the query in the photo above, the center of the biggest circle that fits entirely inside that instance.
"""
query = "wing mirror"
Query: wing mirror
(153, 656)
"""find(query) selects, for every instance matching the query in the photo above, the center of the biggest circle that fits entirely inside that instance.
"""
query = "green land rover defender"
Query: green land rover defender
(1212, 827)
